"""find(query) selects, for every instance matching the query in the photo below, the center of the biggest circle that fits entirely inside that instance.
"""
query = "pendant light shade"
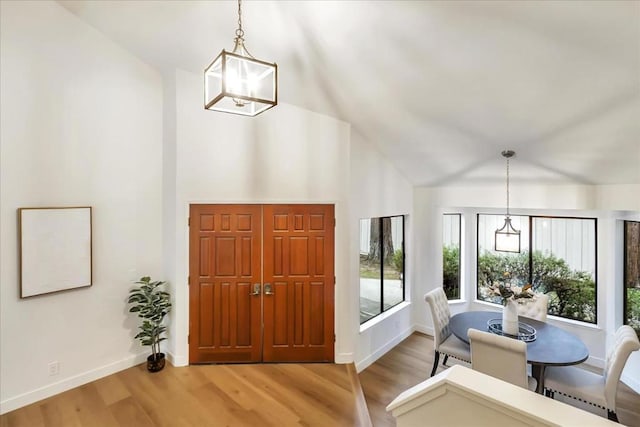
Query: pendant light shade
(507, 238)
(236, 82)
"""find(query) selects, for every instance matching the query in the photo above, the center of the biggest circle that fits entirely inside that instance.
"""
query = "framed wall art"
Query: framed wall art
(55, 249)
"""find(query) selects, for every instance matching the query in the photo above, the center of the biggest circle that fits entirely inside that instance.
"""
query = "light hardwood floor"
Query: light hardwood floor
(410, 362)
(207, 395)
(252, 395)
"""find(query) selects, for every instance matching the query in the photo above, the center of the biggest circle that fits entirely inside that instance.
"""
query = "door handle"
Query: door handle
(267, 289)
(256, 289)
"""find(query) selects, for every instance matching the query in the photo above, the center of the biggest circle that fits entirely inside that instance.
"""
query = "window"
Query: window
(381, 265)
(496, 268)
(632, 274)
(451, 255)
(558, 257)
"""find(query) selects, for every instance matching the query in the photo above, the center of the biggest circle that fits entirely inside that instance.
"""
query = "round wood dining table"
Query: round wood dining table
(552, 347)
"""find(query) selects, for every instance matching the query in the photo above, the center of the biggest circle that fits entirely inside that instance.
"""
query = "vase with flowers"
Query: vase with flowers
(511, 296)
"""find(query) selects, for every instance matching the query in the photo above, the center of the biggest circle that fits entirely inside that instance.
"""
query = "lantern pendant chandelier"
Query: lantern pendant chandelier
(507, 237)
(236, 82)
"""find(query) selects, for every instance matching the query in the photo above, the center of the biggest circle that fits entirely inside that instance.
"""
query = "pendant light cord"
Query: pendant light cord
(240, 31)
(507, 154)
(239, 47)
(507, 187)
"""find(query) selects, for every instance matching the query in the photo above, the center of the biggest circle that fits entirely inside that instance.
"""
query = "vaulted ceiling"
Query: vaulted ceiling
(440, 87)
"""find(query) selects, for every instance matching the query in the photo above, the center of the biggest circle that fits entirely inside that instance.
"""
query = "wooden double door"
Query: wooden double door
(261, 283)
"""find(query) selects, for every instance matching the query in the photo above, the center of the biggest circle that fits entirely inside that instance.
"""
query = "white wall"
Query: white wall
(619, 197)
(80, 124)
(285, 155)
(606, 203)
(377, 189)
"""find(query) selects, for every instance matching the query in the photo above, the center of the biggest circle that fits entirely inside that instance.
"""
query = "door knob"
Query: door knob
(256, 289)
(267, 289)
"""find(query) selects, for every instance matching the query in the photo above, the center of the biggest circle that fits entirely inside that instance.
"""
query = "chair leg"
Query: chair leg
(612, 416)
(446, 357)
(436, 357)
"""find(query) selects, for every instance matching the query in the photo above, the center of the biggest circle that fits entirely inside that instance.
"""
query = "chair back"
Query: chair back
(536, 309)
(625, 342)
(500, 357)
(440, 315)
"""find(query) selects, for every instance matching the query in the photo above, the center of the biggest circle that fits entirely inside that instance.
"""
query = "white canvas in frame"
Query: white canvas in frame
(55, 249)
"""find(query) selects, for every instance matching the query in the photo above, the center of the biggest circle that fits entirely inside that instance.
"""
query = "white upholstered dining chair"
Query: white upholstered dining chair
(536, 309)
(444, 342)
(500, 357)
(597, 390)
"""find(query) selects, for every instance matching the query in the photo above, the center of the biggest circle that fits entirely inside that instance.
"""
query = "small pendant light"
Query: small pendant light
(507, 237)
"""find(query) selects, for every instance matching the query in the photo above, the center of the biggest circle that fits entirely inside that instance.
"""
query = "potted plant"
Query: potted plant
(152, 304)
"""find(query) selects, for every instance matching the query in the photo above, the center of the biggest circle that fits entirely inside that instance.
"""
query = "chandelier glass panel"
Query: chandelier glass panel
(507, 237)
(236, 82)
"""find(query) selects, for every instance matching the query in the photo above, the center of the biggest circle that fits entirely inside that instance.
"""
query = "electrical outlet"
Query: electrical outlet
(54, 368)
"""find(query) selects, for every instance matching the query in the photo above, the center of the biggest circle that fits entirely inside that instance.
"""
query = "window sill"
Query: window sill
(576, 323)
(381, 317)
(488, 305)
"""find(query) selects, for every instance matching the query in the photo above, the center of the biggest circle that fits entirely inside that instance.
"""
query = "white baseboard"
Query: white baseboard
(342, 358)
(363, 364)
(427, 330)
(177, 361)
(595, 362)
(33, 396)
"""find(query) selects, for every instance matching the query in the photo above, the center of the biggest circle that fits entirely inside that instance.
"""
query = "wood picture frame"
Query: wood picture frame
(55, 249)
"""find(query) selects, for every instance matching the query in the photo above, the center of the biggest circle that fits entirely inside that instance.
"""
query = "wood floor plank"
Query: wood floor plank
(217, 413)
(129, 413)
(111, 389)
(238, 381)
(89, 405)
(285, 389)
(30, 416)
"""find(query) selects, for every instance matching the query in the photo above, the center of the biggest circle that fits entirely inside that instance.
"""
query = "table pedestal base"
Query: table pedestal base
(537, 372)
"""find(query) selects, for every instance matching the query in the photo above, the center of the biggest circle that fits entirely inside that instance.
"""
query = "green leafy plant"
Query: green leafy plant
(571, 293)
(152, 304)
(451, 271)
(398, 260)
(633, 309)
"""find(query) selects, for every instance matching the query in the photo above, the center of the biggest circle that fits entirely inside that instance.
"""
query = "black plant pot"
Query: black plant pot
(157, 364)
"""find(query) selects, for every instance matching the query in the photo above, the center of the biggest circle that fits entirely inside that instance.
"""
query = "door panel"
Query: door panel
(298, 264)
(225, 242)
(290, 317)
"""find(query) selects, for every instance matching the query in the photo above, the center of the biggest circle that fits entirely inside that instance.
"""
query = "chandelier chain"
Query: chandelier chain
(507, 187)
(240, 31)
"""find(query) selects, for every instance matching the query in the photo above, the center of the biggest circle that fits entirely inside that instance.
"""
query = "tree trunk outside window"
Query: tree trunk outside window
(387, 241)
(633, 255)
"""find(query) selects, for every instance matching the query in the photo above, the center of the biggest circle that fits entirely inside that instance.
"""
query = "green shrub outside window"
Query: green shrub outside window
(561, 265)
